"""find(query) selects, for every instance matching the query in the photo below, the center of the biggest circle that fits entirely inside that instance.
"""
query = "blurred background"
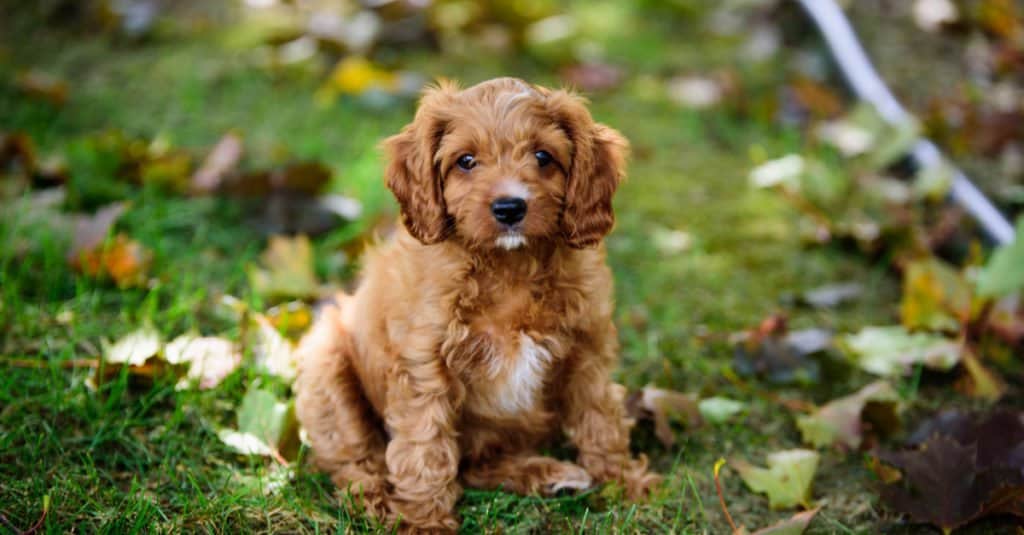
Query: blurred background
(209, 169)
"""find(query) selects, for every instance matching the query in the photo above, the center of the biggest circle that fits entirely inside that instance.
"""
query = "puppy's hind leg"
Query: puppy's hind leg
(345, 435)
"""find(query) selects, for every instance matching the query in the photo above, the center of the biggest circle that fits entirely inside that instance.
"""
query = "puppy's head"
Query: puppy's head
(504, 164)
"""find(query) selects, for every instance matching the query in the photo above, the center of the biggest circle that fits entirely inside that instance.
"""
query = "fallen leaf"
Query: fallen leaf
(209, 359)
(842, 420)
(263, 416)
(849, 138)
(932, 15)
(999, 435)
(785, 171)
(893, 351)
(138, 350)
(942, 484)
(1006, 320)
(663, 406)
(346, 207)
(720, 410)
(1003, 274)
(43, 86)
(787, 480)
(794, 525)
(936, 297)
(272, 352)
(123, 259)
(779, 356)
(832, 295)
(287, 270)
(292, 318)
(135, 348)
(355, 75)
(222, 160)
(980, 381)
(244, 443)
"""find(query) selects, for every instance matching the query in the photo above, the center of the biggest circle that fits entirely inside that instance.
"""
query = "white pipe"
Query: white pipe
(862, 77)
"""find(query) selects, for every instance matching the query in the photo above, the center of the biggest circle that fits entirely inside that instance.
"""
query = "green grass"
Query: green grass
(133, 457)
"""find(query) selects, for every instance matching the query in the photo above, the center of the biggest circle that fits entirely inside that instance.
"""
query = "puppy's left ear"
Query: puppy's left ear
(598, 166)
(412, 171)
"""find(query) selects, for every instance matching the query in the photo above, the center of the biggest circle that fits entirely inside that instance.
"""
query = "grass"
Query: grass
(131, 458)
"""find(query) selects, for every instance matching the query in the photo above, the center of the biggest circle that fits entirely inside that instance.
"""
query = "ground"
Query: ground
(129, 459)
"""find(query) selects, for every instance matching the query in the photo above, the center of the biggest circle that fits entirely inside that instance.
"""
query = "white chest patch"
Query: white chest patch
(521, 377)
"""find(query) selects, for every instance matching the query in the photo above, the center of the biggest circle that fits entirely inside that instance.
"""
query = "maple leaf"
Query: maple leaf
(943, 485)
(962, 467)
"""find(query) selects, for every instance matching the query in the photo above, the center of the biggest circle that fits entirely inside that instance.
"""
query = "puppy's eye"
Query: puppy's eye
(466, 162)
(543, 157)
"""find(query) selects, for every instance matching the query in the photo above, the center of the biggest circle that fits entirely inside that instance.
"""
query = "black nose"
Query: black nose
(509, 210)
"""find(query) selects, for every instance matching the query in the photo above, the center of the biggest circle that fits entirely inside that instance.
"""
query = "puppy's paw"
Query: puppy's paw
(369, 496)
(568, 476)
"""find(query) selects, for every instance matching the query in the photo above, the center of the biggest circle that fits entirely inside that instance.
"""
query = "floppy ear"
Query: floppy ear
(412, 173)
(598, 165)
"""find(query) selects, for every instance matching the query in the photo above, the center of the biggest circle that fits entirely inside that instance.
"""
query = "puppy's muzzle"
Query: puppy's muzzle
(509, 210)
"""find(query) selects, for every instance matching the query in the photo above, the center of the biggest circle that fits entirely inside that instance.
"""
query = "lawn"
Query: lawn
(138, 454)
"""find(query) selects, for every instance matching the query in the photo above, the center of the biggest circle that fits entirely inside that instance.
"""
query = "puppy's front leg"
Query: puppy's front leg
(423, 455)
(595, 419)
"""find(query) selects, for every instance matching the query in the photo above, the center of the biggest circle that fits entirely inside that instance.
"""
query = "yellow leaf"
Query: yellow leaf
(355, 75)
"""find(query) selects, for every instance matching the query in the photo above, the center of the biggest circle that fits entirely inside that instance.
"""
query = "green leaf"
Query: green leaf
(892, 351)
(1004, 272)
(273, 422)
(719, 410)
(787, 479)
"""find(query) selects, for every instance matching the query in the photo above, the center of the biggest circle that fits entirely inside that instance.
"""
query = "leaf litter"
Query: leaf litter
(959, 467)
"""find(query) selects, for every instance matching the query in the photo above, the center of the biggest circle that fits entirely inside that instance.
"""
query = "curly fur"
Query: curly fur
(460, 356)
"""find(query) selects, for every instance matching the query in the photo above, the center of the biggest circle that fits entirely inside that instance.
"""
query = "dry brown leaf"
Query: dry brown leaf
(44, 86)
(222, 160)
(662, 406)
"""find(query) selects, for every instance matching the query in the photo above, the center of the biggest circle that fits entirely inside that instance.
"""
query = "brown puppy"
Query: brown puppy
(483, 330)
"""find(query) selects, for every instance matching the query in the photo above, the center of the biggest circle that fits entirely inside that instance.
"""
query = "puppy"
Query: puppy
(483, 330)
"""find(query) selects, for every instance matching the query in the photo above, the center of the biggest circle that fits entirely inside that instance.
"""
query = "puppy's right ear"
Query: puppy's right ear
(413, 173)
